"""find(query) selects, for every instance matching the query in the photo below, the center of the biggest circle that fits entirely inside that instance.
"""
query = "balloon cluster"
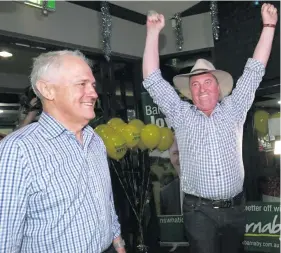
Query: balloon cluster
(261, 118)
(127, 145)
(119, 136)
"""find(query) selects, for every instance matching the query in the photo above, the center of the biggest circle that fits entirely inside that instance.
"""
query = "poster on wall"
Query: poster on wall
(165, 170)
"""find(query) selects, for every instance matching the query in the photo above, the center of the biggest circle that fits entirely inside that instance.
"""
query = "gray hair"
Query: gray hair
(46, 62)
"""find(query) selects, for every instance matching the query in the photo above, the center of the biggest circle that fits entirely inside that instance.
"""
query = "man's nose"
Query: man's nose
(202, 87)
(91, 91)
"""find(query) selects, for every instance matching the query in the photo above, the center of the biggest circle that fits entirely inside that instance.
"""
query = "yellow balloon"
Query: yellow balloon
(261, 121)
(131, 134)
(167, 139)
(275, 115)
(103, 130)
(119, 128)
(150, 136)
(115, 146)
(141, 145)
(137, 123)
(115, 122)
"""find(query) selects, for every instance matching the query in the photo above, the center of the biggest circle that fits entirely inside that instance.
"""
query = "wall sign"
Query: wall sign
(50, 4)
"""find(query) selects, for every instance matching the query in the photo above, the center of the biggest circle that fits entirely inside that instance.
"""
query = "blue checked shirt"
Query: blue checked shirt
(210, 148)
(55, 194)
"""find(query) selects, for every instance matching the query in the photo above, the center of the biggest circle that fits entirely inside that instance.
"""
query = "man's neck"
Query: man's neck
(69, 124)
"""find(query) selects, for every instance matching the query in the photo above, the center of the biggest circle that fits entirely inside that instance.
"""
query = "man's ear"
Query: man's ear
(46, 90)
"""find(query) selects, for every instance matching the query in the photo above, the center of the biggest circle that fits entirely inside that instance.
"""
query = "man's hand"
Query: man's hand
(33, 101)
(155, 22)
(269, 14)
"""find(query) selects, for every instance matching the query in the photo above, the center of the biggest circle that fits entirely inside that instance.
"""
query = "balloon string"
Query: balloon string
(123, 165)
(127, 175)
(130, 175)
(143, 178)
(146, 190)
(146, 196)
(133, 174)
(124, 178)
(137, 217)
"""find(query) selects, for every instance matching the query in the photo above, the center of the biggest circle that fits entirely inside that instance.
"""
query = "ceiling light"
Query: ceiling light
(1, 111)
(5, 54)
(279, 102)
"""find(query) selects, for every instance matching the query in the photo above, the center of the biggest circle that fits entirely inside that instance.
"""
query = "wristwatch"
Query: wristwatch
(119, 244)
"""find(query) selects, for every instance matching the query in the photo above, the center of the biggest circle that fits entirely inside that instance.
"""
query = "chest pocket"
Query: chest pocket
(226, 127)
(192, 132)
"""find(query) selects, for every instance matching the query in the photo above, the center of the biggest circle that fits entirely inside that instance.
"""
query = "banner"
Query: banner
(165, 169)
(152, 114)
(262, 231)
(164, 165)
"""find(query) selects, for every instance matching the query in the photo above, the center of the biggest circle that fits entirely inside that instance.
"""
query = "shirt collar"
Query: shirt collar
(217, 109)
(52, 128)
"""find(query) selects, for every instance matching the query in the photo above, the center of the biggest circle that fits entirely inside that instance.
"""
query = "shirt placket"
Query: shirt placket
(214, 165)
(84, 149)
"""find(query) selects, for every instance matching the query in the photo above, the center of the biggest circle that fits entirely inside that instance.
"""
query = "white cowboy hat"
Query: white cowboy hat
(201, 66)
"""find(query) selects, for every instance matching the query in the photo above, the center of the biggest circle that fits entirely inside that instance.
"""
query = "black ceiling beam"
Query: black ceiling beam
(201, 7)
(115, 10)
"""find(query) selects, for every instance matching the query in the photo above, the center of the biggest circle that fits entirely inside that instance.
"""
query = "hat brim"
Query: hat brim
(224, 79)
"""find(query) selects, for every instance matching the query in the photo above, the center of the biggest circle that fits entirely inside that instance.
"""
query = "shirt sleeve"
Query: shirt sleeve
(165, 96)
(115, 222)
(243, 95)
(14, 181)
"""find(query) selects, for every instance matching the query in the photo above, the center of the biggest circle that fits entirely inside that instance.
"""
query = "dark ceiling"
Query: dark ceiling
(136, 17)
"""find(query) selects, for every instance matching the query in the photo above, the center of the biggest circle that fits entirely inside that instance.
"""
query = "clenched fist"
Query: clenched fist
(269, 14)
(155, 22)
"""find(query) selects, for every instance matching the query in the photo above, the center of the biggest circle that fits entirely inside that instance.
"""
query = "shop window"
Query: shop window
(267, 128)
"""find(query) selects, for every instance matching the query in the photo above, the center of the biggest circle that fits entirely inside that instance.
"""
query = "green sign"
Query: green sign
(152, 113)
(262, 231)
(50, 5)
(263, 227)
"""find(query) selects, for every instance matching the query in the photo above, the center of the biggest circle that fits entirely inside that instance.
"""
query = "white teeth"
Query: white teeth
(89, 104)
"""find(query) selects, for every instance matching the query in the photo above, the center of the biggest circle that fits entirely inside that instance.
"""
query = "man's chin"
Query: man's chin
(89, 117)
(206, 108)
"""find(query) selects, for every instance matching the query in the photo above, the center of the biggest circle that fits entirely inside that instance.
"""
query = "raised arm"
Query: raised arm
(243, 95)
(263, 48)
(162, 93)
(155, 23)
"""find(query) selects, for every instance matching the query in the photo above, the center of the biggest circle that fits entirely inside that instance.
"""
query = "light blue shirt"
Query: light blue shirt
(55, 194)
(210, 148)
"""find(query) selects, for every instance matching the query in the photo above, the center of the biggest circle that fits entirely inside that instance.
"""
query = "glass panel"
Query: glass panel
(267, 128)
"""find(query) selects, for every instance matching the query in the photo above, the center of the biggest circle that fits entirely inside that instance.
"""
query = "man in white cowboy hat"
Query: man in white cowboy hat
(209, 135)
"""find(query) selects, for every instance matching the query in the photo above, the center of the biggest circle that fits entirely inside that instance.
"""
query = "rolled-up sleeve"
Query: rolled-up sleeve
(167, 99)
(115, 223)
(244, 93)
(15, 180)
